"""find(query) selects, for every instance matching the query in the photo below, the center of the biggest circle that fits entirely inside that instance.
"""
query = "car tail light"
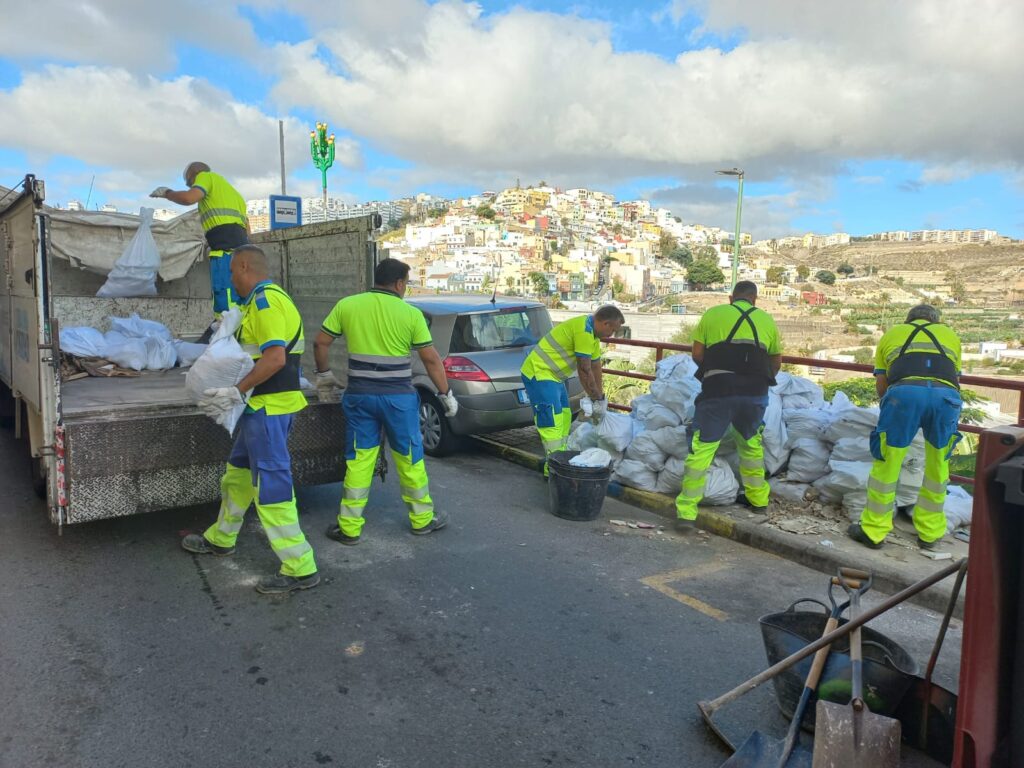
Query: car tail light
(464, 369)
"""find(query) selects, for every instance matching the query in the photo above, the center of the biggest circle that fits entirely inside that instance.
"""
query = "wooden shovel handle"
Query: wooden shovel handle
(821, 656)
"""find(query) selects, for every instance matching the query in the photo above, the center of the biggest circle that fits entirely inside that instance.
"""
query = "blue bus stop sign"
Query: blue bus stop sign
(285, 211)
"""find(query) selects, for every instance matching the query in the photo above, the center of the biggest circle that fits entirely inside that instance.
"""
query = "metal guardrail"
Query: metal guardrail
(660, 347)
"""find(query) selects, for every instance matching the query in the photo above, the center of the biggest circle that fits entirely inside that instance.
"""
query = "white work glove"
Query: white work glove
(587, 406)
(220, 400)
(451, 405)
(326, 384)
(160, 192)
(600, 409)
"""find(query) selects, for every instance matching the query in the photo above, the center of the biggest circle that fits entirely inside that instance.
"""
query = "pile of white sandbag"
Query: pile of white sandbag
(132, 342)
(808, 442)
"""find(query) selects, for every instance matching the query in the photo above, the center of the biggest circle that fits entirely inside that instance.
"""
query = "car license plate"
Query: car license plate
(524, 398)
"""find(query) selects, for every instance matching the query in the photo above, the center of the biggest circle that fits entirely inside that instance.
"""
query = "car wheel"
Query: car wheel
(438, 439)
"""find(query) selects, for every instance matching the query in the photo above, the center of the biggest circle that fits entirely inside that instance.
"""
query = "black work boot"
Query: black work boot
(856, 533)
(743, 501)
(279, 584)
(437, 522)
(928, 544)
(335, 533)
(684, 525)
(198, 544)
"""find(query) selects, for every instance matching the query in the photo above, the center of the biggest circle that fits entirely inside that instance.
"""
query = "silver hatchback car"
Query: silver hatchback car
(482, 343)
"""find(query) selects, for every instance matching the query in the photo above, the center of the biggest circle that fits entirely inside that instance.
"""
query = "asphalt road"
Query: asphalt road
(511, 638)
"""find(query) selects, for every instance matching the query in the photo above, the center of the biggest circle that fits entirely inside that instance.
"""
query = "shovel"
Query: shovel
(708, 709)
(928, 711)
(851, 736)
(759, 751)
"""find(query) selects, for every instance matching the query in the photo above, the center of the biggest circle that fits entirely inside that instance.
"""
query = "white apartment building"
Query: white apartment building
(939, 235)
(811, 240)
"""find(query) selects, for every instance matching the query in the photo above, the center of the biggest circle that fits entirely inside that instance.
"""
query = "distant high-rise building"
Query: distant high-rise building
(75, 205)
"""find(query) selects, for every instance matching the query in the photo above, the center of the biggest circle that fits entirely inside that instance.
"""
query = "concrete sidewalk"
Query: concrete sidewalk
(824, 546)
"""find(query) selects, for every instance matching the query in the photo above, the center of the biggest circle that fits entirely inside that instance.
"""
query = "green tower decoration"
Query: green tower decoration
(321, 149)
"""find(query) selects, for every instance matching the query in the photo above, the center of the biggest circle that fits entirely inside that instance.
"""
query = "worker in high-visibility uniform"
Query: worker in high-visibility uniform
(917, 375)
(223, 216)
(259, 467)
(381, 331)
(738, 351)
(572, 346)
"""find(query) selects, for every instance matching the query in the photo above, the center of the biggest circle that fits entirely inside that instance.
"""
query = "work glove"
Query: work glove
(220, 400)
(326, 384)
(600, 409)
(587, 407)
(160, 192)
(451, 405)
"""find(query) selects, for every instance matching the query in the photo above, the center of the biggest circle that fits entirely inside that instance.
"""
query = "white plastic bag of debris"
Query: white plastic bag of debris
(808, 461)
(775, 437)
(852, 449)
(644, 449)
(138, 327)
(134, 273)
(223, 364)
(805, 422)
(797, 392)
(853, 421)
(636, 475)
(959, 504)
(679, 366)
(592, 457)
(720, 484)
(672, 441)
(652, 414)
(188, 352)
(583, 437)
(670, 479)
(675, 386)
(125, 351)
(82, 341)
(615, 432)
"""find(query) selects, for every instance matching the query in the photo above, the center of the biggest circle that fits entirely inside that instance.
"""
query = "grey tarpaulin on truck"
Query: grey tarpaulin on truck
(93, 240)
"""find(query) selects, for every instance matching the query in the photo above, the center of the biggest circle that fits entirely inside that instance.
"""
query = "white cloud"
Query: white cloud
(527, 93)
(143, 131)
(126, 33)
(947, 174)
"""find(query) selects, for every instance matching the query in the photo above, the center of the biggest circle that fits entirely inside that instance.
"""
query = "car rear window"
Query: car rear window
(501, 329)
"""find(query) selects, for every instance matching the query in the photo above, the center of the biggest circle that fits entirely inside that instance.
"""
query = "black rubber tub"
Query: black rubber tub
(889, 670)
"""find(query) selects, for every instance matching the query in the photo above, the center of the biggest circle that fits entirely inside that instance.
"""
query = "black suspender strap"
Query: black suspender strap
(744, 317)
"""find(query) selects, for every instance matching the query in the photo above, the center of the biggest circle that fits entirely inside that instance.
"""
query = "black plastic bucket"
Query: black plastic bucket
(889, 670)
(575, 493)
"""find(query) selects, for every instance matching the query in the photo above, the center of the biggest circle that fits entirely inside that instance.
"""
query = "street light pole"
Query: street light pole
(739, 211)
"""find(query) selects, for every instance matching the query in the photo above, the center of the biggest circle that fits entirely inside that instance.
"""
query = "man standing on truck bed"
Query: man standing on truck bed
(225, 223)
(259, 467)
(917, 375)
(570, 347)
(738, 352)
(381, 331)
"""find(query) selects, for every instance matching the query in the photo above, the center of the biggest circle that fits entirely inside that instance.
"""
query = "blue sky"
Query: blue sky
(841, 119)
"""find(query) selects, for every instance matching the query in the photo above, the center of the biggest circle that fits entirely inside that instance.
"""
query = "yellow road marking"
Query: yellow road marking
(660, 583)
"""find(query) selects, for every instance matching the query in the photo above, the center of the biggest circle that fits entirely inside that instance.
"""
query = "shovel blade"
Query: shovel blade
(846, 738)
(760, 751)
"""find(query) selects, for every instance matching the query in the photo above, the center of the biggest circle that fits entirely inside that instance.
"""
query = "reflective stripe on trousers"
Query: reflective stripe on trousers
(695, 470)
(359, 475)
(929, 512)
(280, 520)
